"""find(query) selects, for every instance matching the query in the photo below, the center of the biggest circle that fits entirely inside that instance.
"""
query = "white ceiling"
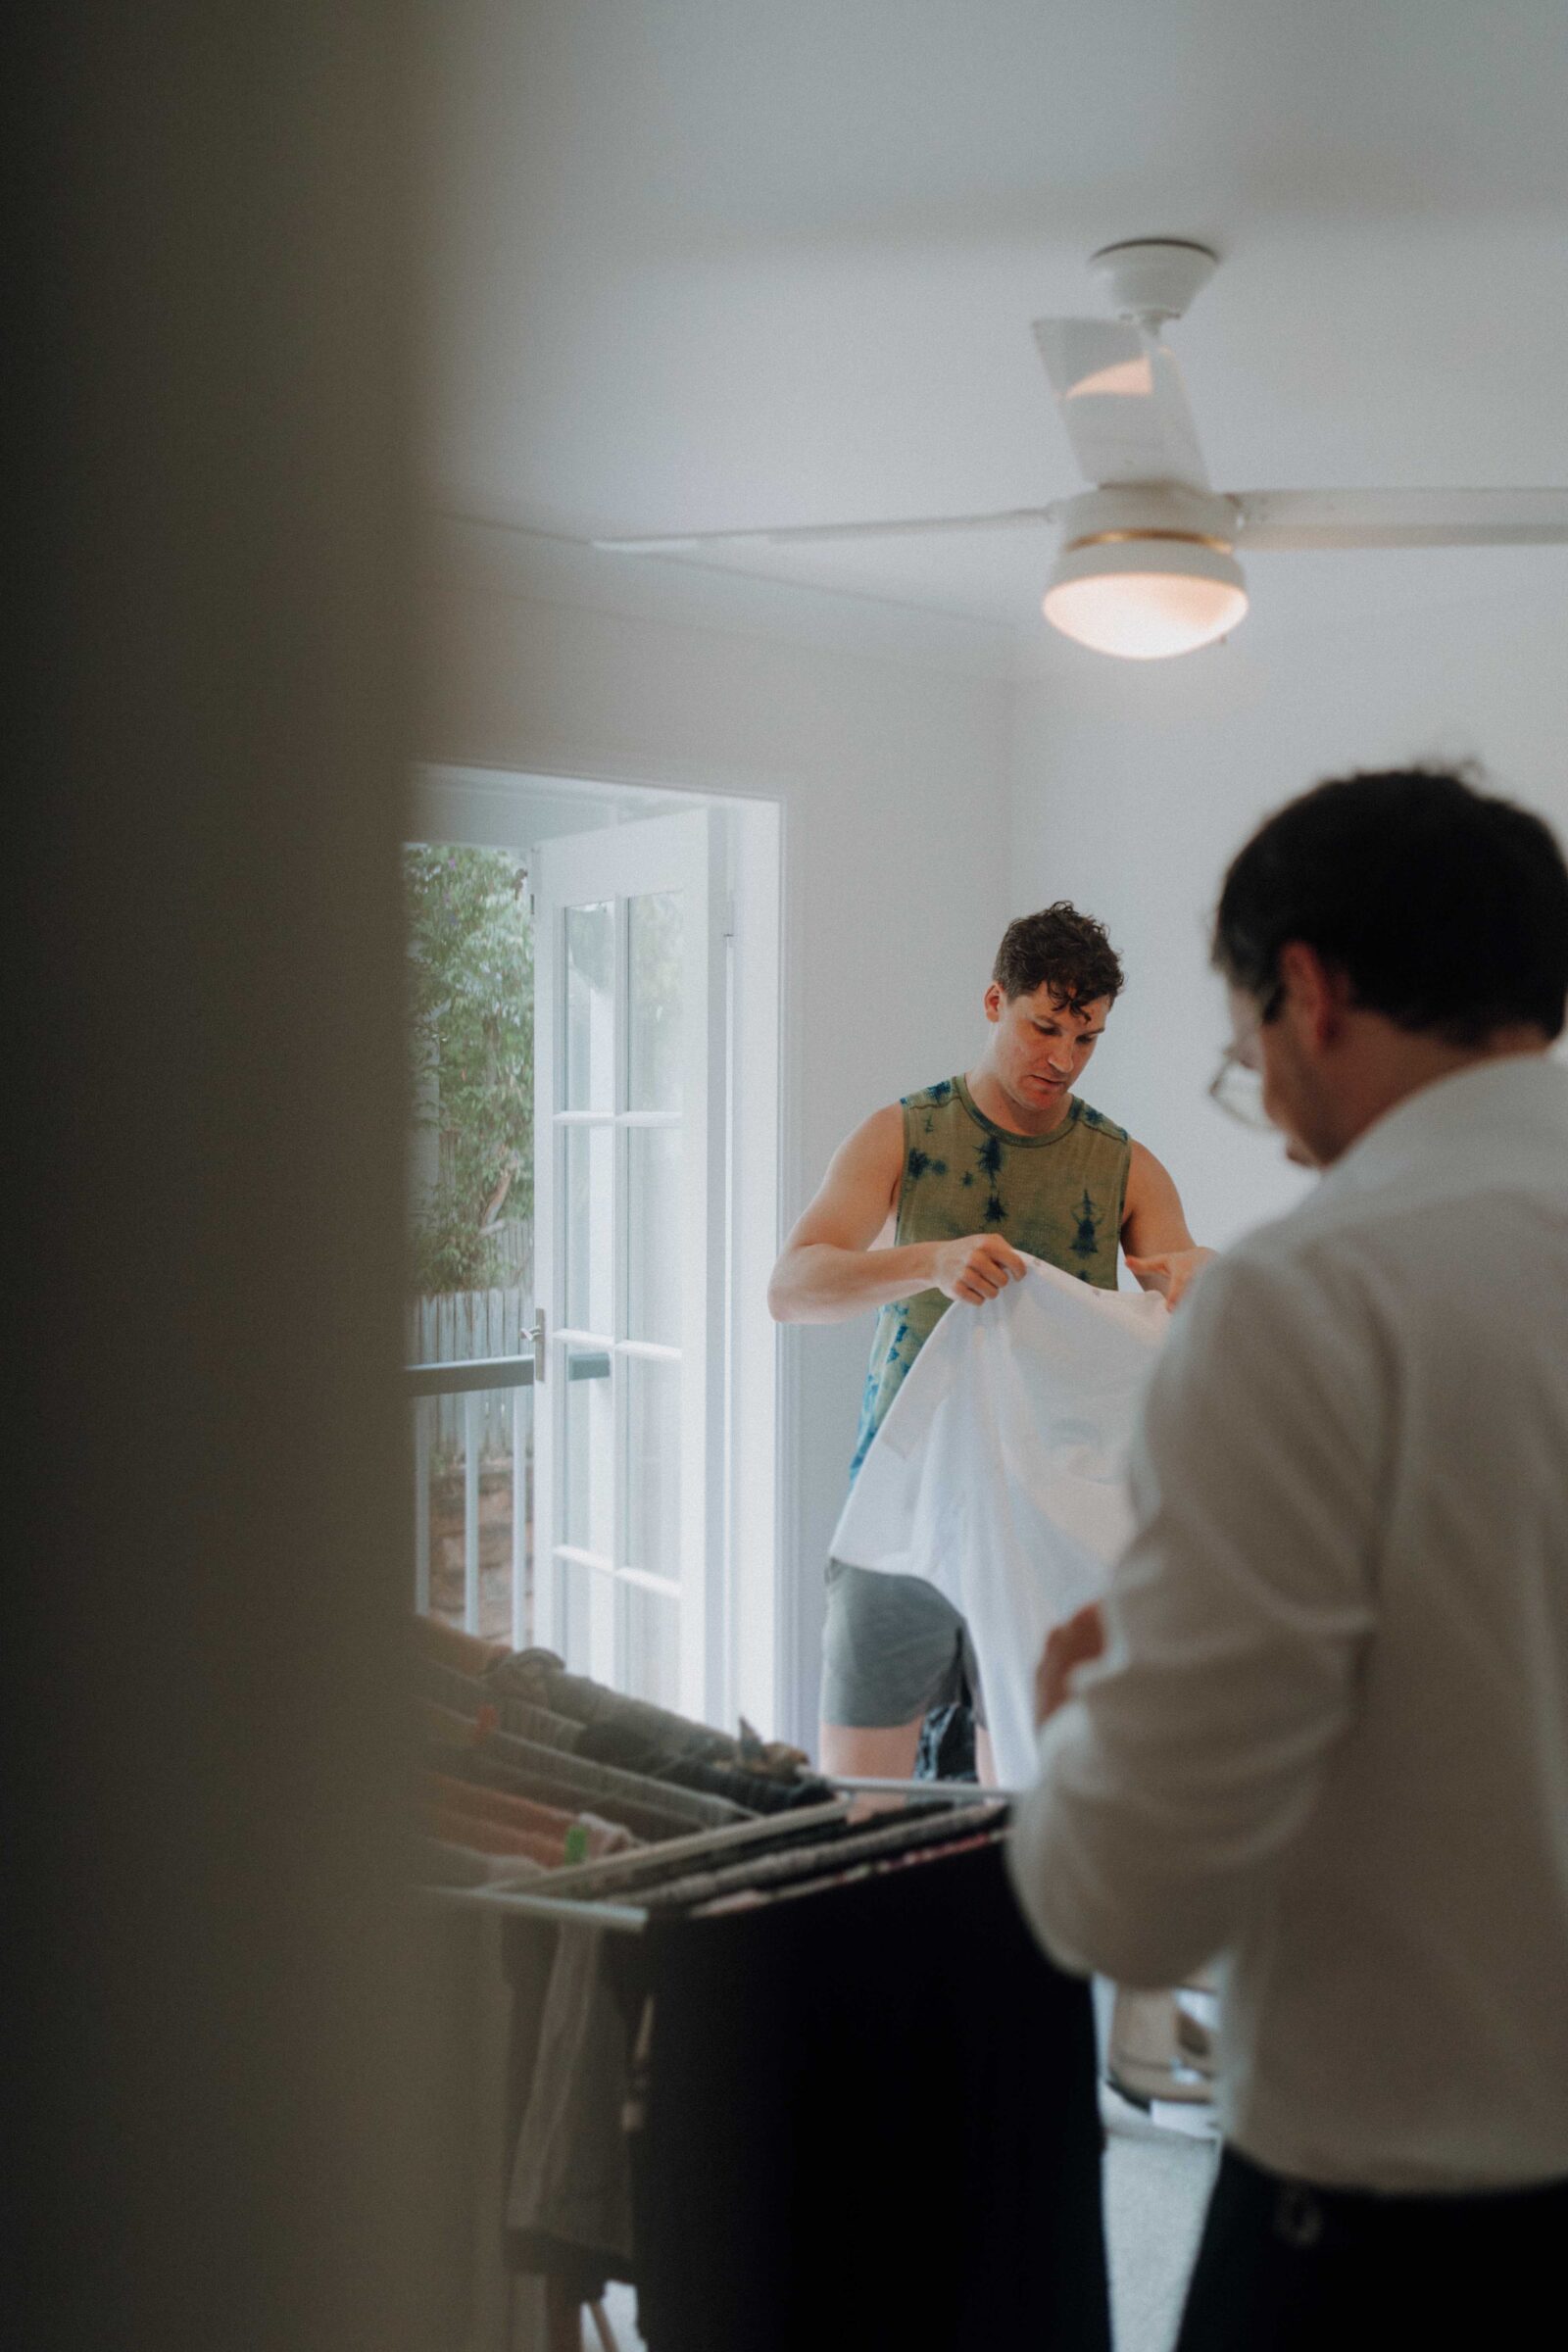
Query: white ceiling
(707, 263)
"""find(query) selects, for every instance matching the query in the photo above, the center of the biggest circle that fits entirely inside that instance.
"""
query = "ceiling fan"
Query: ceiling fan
(1146, 565)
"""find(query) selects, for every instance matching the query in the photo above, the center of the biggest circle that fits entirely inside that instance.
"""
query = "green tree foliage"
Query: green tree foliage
(470, 1028)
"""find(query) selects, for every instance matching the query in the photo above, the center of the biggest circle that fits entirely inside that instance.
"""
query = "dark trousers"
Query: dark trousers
(1284, 2267)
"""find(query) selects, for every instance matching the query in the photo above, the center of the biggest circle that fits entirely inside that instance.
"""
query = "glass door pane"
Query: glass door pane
(655, 938)
(654, 1199)
(653, 1467)
(628, 1476)
(650, 1646)
(588, 1469)
(588, 1209)
(590, 976)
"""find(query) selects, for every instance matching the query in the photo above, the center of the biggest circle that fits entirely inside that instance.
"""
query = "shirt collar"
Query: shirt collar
(1516, 1094)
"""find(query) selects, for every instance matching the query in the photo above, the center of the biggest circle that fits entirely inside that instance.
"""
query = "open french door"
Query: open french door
(629, 1234)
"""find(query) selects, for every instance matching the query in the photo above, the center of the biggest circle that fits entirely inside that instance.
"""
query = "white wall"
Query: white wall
(925, 799)
(1133, 784)
(886, 748)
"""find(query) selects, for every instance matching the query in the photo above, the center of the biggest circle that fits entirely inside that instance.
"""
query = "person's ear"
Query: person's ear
(994, 1001)
(1319, 992)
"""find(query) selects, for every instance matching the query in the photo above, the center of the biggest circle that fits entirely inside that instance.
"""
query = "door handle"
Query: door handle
(541, 1354)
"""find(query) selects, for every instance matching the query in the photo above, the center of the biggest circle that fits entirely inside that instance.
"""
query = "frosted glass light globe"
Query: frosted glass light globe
(1145, 599)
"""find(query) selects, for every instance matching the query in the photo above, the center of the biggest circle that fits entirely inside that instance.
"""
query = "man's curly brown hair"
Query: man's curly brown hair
(1062, 950)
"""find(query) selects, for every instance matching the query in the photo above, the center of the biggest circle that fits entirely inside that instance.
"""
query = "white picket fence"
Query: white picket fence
(471, 1430)
(453, 1327)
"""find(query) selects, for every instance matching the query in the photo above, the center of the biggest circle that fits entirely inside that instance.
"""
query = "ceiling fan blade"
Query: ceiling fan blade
(823, 534)
(1332, 518)
(1122, 401)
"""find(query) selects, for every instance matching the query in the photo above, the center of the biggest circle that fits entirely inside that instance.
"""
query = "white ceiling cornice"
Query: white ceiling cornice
(506, 559)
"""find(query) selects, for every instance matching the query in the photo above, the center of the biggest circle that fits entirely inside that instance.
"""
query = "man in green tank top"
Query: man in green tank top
(930, 1202)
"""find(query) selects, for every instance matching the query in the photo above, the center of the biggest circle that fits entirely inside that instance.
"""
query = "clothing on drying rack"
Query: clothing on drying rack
(636, 1881)
(848, 1873)
(568, 2201)
(444, 1727)
(823, 1857)
(438, 1864)
(482, 1837)
(645, 1816)
(799, 2056)
(524, 1813)
(757, 1793)
(650, 1808)
(548, 1832)
(568, 2192)
(529, 1696)
(527, 1722)
(449, 1645)
(529, 1951)
(633, 1732)
(626, 1748)
(442, 1686)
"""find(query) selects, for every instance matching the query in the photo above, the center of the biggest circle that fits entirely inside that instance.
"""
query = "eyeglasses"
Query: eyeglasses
(1237, 1086)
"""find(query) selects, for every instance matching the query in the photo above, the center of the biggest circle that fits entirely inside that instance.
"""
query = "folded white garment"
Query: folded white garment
(1000, 1473)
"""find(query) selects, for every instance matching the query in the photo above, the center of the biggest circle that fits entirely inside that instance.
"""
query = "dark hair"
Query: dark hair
(1446, 909)
(1062, 950)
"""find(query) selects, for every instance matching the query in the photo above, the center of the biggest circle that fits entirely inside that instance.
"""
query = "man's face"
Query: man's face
(1292, 1097)
(1040, 1044)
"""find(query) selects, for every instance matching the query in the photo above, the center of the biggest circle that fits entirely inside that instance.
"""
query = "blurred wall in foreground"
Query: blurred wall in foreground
(214, 2101)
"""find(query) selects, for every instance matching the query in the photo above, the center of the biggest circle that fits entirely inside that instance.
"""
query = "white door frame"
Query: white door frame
(681, 853)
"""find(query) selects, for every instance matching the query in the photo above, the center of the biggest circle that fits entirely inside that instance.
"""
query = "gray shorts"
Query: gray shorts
(893, 1648)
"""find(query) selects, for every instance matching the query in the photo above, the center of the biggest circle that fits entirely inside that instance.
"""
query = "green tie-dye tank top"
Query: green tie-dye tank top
(1057, 1197)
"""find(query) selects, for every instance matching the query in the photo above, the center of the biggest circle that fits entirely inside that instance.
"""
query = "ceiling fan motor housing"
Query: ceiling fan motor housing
(1146, 570)
(1157, 510)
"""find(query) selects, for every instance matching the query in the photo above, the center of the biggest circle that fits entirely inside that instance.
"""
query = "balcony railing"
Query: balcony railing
(473, 1435)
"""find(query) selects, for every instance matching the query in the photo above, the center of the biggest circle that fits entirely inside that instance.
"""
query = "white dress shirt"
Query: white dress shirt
(1328, 1740)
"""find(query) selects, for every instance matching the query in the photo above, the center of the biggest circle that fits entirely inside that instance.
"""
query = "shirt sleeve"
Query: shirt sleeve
(1171, 1784)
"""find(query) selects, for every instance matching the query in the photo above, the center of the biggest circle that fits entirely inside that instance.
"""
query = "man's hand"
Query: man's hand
(1068, 1646)
(1171, 1272)
(975, 1267)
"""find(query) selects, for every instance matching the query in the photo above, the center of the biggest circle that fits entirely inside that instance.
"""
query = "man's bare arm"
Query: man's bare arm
(829, 1268)
(1160, 1252)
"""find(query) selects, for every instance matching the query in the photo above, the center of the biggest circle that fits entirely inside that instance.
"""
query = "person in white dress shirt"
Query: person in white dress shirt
(1318, 1729)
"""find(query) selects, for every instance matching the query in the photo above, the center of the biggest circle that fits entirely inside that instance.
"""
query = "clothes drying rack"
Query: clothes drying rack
(523, 1898)
(526, 1899)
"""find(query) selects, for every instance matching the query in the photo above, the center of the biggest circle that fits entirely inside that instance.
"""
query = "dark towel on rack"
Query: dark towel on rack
(759, 1792)
(868, 2118)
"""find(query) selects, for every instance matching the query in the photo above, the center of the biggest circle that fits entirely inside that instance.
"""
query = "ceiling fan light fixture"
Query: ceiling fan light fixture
(1145, 598)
